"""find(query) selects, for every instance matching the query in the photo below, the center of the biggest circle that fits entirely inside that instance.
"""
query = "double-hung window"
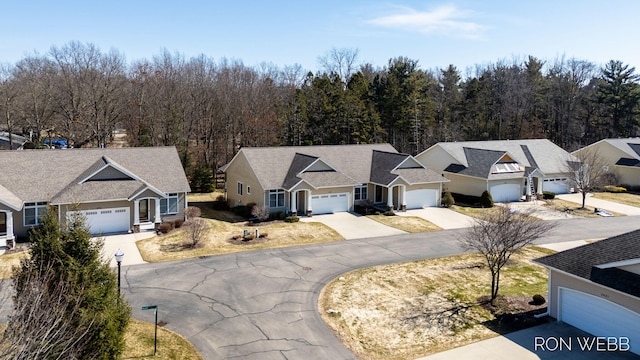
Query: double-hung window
(34, 212)
(360, 193)
(169, 205)
(276, 198)
(239, 188)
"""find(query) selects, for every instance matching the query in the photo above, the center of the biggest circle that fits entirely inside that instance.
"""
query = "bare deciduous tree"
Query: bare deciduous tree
(500, 233)
(342, 62)
(38, 327)
(196, 228)
(589, 173)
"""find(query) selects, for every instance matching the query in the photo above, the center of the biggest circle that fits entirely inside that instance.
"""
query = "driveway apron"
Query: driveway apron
(354, 226)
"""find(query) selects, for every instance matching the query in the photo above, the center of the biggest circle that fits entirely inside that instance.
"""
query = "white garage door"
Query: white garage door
(599, 317)
(418, 199)
(329, 203)
(104, 221)
(505, 192)
(558, 186)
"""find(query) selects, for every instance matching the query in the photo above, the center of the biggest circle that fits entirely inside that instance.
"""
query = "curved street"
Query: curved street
(263, 304)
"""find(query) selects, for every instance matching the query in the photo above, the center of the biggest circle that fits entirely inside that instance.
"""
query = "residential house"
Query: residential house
(596, 287)
(621, 157)
(11, 141)
(116, 189)
(306, 180)
(508, 169)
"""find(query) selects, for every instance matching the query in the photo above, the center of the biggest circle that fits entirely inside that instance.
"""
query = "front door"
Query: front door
(143, 210)
(301, 202)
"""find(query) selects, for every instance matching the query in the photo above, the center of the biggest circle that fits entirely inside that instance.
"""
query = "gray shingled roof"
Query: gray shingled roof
(279, 167)
(547, 156)
(40, 175)
(582, 261)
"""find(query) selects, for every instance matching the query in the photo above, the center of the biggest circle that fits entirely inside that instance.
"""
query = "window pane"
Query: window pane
(272, 200)
(173, 205)
(363, 194)
(163, 206)
(29, 216)
(3, 223)
(280, 199)
(42, 211)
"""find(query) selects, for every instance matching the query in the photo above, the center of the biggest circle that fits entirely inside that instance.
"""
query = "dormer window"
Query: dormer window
(505, 167)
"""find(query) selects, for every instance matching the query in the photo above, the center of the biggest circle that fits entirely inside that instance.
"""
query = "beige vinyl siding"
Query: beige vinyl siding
(629, 176)
(436, 159)
(240, 171)
(559, 279)
(465, 185)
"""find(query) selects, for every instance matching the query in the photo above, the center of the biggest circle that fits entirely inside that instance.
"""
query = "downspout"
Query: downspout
(548, 312)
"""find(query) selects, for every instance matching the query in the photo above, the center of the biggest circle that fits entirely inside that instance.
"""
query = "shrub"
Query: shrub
(177, 223)
(389, 213)
(192, 212)
(548, 195)
(486, 200)
(263, 235)
(249, 237)
(614, 189)
(466, 199)
(447, 199)
(260, 212)
(291, 219)
(538, 300)
(165, 227)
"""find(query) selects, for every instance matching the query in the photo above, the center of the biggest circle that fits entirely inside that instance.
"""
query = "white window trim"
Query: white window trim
(357, 196)
(37, 206)
(276, 193)
(172, 196)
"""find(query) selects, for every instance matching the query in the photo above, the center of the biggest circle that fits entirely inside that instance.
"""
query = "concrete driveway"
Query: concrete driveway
(521, 345)
(353, 226)
(126, 243)
(602, 204)
(442, 217)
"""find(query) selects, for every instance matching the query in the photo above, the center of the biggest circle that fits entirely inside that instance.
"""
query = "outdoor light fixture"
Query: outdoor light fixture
(119, 255)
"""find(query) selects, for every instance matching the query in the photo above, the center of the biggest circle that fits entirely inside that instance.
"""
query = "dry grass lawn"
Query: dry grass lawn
(217, 239)
(412, 224)
(405, 311)
(8, 261)
(474, 212)
(622, 198)
(139, 343)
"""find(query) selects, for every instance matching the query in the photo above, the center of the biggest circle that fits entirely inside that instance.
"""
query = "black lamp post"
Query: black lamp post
(119, 255)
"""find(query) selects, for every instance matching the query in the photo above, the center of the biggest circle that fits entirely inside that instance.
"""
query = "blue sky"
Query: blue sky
(436, 33)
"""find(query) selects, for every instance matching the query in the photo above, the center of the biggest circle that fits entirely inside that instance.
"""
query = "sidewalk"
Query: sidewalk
(601, 204)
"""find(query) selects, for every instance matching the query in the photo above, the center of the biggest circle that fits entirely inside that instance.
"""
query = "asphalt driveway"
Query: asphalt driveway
(354, 226)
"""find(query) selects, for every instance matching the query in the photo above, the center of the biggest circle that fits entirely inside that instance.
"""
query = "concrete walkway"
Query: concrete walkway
(521, 345)
(353, 226)
(442, 217)
(126, 243)
(602, 204)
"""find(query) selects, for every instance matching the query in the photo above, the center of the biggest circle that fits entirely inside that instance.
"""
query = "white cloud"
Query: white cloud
(447, 20)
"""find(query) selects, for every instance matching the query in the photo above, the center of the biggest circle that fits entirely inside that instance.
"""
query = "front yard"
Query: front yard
(622, 198)
(405, 311)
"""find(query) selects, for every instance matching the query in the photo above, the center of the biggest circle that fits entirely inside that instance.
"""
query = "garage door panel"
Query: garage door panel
(599, 317)
(422, 198)
(505, 192)
(104, 221)
(556, 186)
(330, 203)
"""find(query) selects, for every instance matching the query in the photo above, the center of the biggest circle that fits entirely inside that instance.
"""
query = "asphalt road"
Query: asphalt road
(263, 304)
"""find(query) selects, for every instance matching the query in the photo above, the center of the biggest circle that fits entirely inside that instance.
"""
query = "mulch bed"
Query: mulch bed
(513, 313)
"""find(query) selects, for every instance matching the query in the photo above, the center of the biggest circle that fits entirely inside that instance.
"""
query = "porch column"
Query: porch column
(158, 218)
(390, 198)
(309, 209)
(294, 203)
(403, 197)
(136, 212)
(10, 235)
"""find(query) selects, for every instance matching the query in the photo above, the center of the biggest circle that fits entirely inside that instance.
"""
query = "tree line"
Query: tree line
(210, 109)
